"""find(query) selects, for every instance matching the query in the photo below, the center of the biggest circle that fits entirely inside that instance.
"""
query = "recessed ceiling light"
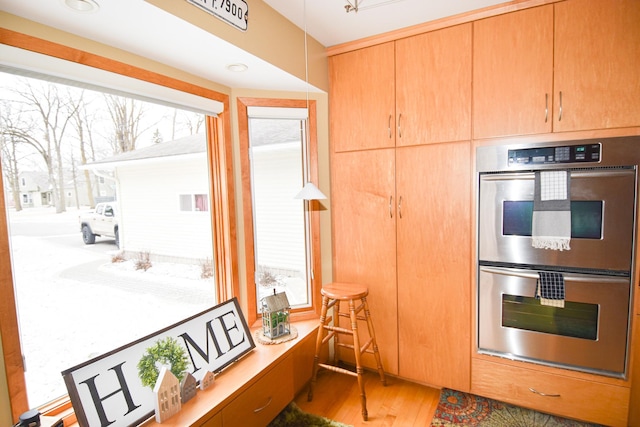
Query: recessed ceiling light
(84, 6)
(237, 68)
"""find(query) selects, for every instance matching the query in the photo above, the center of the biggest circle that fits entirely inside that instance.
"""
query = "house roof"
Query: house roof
(192, 144)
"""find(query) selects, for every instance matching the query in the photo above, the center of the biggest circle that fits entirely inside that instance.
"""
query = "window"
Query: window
(194, 203)
(279, 154)
(222, 283)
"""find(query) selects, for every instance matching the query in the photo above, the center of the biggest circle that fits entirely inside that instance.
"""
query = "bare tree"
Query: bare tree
(126, 115)
(82, 125)
(9, 154)
(54, 111)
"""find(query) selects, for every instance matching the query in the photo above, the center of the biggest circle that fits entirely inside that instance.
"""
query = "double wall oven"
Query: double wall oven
(590, 331)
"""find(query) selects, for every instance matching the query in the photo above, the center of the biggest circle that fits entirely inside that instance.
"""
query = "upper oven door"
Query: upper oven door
(602, 220)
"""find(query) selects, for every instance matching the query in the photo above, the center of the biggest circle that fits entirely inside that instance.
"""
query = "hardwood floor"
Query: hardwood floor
(400, 403)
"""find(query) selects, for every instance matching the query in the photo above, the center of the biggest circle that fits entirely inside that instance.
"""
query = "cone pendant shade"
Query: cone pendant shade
(310, 192)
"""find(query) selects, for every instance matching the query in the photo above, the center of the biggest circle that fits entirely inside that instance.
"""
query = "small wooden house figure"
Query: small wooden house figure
(167, 391)
(275, 315)
(207, 380)
(188, 387)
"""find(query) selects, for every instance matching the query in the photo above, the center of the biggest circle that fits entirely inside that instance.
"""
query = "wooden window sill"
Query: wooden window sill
(235, 379)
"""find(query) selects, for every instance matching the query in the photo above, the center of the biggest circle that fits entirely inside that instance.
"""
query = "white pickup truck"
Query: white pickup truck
(102, 221)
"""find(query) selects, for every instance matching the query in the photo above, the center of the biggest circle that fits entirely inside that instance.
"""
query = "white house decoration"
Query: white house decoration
(167, 391)
(207, 381)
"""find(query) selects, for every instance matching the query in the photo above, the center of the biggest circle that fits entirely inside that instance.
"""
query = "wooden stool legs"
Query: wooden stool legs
(358, 349)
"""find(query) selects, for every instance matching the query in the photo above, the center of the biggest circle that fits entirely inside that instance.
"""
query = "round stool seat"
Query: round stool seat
(344, 291)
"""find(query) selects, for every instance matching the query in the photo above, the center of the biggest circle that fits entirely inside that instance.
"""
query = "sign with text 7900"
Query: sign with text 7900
(233, 12)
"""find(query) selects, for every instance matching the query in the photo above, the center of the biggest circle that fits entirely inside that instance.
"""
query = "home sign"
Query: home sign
(233, 12)
(109, 391)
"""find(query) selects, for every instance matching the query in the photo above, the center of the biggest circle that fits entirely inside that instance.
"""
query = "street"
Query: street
(74, 303)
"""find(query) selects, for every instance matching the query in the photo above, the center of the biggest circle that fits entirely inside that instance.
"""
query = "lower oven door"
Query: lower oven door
(589, 334)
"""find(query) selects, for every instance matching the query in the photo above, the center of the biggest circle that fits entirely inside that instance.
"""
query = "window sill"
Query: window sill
(237, 378)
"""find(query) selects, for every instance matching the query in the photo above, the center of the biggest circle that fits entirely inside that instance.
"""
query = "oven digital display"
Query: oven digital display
(586, 218)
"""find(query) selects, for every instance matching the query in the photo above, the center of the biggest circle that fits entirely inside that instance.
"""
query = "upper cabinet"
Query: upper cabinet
(433, 87)
(597, 64)
(362, 99)
(564, 67)
(513, 73)
(409, 92)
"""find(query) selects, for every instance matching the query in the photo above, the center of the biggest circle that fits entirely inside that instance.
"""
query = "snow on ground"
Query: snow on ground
(75, 304)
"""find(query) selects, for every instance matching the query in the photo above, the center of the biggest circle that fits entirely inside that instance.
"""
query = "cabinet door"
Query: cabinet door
(362, 99)
(433, 87)
(597, 64)
(434, 256)
(513, 73)
(364, 240)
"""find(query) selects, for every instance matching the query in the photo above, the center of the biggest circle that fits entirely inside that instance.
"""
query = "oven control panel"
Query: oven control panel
(553, 155)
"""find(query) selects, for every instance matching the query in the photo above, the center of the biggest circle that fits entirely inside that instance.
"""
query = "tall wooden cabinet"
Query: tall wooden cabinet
(556, 68)
(400, 186)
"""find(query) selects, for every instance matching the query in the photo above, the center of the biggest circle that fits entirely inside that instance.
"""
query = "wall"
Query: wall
(269, 28)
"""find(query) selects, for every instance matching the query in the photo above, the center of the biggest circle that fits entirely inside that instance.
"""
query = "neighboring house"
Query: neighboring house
(163, 197)
(77, 194)
(35, 190)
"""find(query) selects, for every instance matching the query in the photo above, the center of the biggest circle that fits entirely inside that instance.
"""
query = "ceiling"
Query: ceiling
(139, 27)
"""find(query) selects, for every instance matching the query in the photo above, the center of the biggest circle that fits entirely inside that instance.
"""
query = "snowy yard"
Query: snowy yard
(75, 304)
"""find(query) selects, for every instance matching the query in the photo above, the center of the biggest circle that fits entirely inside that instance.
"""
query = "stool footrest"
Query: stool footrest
(363, 349)
(337, 369)
(338, 329)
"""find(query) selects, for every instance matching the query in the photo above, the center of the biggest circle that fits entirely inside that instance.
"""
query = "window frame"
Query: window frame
(313, 310)
(222, 203)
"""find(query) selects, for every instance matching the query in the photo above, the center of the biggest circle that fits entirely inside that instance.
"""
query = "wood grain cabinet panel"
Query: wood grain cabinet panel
(264, 400)
(513, 73)
(565, 396)
(362, 99)
(433, 87)
(434, 262)
(597, 64)
(364, 239)
(569, 66)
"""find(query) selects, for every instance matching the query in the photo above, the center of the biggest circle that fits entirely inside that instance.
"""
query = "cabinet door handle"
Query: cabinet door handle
(560, 112)
(400, 125)
(400, 207)
(546, 107)
(390, 206)
(255, 411)
(389, 126)
(533, 390)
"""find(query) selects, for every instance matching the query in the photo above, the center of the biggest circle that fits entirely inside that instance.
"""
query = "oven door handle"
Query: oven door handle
(533, 275)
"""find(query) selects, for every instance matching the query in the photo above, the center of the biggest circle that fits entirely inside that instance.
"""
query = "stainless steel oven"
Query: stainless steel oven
(589, 330)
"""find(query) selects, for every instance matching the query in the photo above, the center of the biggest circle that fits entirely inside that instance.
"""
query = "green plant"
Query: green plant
(164, 352)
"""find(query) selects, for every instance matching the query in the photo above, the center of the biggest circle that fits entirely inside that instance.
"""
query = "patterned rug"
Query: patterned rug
(457, 408)
(292, 416)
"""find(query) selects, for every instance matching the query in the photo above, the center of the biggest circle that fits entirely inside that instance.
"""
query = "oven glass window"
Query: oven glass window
(586, 218)
(576, 319)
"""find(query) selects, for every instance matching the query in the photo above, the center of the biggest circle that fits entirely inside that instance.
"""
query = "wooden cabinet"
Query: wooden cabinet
(434, 262)
(413, 91)
(362, 99)
(569, 66)
(387, 169)
(433, 87)
(554, 394)
(264, 400)
(513, 73)
(364, 239)
(597, 64)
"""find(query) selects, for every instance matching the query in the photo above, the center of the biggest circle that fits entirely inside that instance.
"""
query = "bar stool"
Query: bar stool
(332, 294)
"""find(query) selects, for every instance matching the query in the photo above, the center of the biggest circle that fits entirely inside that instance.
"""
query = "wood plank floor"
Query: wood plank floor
(400, 403)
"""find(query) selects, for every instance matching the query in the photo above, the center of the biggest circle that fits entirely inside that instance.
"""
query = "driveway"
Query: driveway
(74, 303)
